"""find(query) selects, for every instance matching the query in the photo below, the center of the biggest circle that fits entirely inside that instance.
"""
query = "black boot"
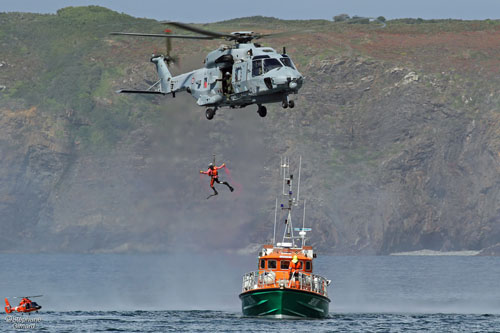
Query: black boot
(215, 193)
(230, 187)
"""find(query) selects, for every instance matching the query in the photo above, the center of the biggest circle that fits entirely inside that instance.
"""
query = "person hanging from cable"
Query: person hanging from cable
(214, 174)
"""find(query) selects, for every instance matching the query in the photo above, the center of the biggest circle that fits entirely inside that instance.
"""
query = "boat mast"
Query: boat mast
(288, 236)
(298, 183)
(275, 214)
(302, 232)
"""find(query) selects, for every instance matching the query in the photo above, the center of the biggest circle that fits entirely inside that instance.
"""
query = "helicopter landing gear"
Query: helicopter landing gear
(262, 111)
(210, 113)
(287, 103)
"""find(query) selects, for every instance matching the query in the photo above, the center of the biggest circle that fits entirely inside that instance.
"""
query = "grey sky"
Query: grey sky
(218, 10)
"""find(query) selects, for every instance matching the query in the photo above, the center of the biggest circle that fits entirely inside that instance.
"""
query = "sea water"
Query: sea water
(199, 292)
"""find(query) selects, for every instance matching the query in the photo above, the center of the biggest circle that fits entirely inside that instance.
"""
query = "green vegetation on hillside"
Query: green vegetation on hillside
(70, 69)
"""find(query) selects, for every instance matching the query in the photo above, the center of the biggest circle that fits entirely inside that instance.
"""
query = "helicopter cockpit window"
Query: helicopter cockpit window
(256, 67)
(287, 62)
(270, 64)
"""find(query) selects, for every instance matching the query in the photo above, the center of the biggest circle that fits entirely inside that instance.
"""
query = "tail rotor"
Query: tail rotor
(168, 46)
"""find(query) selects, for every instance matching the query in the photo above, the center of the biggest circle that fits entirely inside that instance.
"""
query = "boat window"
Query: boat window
(262, 263)
(256, 67)
(287, 62)
(308, 266)
(284, 264)
(271, 264)
(270, 64)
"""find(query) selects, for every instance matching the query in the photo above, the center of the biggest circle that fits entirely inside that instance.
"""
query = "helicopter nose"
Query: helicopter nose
(295, 81)
(289, 78)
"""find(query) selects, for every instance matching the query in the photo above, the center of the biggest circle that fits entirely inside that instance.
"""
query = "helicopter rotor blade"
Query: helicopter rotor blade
(170, 59)
(212, 34)
(26, 296)
(168, 46)
(158, 35)
(278, 34)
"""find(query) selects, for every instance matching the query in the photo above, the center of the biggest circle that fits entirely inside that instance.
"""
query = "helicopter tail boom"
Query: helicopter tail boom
(8, 308)
(163, 73)
(125, 91)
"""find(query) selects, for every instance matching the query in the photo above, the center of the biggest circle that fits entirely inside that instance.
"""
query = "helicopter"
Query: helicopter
(234, 76)
(25, 306)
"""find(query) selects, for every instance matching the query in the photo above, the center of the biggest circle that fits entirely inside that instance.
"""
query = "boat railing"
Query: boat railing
(302, 281)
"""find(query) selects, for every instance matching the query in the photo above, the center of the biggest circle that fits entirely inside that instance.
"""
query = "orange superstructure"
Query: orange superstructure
(274, 270)
(279, 260)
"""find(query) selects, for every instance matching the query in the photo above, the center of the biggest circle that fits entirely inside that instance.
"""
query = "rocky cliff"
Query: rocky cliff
(398, 129)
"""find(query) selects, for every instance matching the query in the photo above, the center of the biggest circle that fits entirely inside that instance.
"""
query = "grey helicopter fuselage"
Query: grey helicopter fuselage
(235, 76)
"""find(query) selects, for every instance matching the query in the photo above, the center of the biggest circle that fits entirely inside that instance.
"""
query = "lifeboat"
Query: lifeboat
(284, 285)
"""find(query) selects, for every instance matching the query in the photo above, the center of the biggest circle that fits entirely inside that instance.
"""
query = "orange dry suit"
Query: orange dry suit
(293, 268)
(214, 174)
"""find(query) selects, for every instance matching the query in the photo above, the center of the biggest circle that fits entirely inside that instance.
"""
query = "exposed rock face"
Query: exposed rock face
(395, 158)
(491, 251)
(33, 157)
(408, 166)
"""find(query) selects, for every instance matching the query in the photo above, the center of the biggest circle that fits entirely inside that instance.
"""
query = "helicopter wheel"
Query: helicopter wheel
(291, 104)
(284, 104)
(262, 111)
(210, 113)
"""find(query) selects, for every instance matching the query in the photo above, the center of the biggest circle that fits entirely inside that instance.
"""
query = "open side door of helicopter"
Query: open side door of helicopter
(239, 81)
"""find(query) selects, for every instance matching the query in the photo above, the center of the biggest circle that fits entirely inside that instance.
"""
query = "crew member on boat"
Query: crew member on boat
(294, 267)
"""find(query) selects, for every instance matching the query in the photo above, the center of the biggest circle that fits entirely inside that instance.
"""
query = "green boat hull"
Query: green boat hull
(283, 303)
